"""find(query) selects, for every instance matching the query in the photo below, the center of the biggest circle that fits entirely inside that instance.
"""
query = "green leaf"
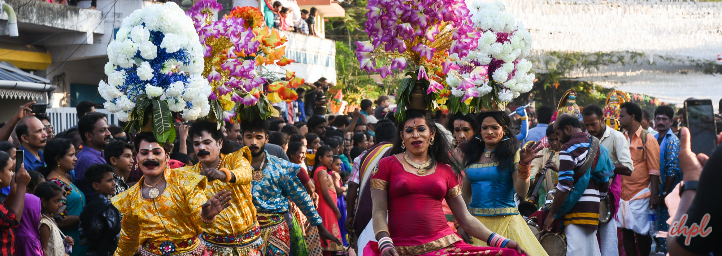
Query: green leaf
(161, 121)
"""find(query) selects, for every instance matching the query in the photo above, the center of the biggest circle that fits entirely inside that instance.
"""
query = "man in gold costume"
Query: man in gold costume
(166, 210)
(236, 231)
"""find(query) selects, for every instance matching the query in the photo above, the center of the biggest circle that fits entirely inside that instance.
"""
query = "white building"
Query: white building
(67, 45)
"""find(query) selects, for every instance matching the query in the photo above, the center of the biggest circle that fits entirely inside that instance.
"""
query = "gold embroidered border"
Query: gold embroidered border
(453, 192)
(379, 184)
(493, 211)
(484, 165)
(435, 245)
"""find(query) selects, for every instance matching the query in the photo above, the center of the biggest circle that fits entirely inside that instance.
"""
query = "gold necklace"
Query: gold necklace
(153, 192)
(258, 173)
(420, 167)
(487, 154)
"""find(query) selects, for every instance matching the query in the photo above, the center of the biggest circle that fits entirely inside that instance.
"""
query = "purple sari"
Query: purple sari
(27, 240)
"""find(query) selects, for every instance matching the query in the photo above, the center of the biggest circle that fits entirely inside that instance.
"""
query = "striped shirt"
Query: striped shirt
(585, 212)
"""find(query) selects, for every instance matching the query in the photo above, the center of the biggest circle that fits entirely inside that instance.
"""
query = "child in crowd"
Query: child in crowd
(335, 174)
(100, 220)
(12, 208)
(120, 156)
(53, 240)
(326, 189)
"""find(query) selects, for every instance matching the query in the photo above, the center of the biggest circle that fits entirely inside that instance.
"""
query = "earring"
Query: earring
(432, 141)
(403, 144)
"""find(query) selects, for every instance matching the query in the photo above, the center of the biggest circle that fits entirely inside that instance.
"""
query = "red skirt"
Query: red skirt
(457, 249)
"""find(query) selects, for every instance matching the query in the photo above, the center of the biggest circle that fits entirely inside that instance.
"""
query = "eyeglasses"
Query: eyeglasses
(49, 127)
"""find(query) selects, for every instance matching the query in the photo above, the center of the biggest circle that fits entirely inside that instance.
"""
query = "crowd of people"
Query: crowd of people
(363, 183)
(292, 18)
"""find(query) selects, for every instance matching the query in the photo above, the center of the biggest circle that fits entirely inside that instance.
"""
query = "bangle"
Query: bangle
(488, 240)
(503, 244)
(388, 248)
(207, 221)
(377, 233)
(524, 118)
(229, 176)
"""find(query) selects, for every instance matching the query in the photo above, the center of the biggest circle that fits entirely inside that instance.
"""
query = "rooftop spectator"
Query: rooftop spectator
(302, 25)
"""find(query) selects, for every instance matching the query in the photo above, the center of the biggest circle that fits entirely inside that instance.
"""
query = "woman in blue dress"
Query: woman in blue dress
(495, 169)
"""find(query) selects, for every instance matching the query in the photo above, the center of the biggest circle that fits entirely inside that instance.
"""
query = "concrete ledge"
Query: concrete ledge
(41, 16)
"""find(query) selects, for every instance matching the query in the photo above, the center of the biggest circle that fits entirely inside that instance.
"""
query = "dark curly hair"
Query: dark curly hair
(505, 150)
(439, 151)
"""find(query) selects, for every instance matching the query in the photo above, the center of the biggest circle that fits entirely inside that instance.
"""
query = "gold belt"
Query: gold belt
(493, 211)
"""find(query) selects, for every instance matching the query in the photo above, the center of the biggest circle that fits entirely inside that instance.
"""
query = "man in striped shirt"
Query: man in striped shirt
(581, 220)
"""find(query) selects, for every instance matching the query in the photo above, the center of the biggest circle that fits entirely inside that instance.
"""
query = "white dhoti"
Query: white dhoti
(608, 238)
(581, 241)
(634, 214)
(366, 236)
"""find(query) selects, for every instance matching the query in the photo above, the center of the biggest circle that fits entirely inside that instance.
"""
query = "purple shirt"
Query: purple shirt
(27, 240)
(87, 157)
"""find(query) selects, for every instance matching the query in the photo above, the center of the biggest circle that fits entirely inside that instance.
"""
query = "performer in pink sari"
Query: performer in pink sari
(408, 189)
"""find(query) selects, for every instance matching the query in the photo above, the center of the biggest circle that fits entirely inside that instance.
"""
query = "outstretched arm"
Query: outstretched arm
(467, 222)
(23, 111)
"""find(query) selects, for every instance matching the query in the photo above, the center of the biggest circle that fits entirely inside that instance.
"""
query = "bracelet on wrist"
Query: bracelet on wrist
(503, 244)
(207, 221)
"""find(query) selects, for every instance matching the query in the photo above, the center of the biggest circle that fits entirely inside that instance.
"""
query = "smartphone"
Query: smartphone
(19, 157)
(699, 118)
(39, 108)
(310, 151)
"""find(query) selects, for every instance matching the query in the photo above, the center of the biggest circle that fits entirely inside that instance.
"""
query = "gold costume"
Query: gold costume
(235, 228)
(175, 215)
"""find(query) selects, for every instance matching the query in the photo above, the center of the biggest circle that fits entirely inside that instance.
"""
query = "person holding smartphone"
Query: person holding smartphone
(11, 210)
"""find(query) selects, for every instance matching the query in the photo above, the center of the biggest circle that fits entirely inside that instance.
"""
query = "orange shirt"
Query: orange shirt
(631, 185)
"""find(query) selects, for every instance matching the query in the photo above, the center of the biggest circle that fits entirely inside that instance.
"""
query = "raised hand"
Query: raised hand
(22, 178)
(216, 204)
(521, 111)
(529, 152)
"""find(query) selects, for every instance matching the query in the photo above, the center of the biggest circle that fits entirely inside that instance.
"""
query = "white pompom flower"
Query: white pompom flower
(171, 43)
(116, 78)
(124, 103)
(153, 91)
(145, 72)
(148, 50)
(505, 95)
(122, 116)
(175, 89)
(139, 34)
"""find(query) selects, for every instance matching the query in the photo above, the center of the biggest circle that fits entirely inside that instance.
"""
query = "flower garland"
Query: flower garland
(422, 33)
(155, 64)
(495, 71)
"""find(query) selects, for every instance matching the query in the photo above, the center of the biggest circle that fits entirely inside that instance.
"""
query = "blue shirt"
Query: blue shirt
(279, 184)
(32, 163)
(536, 133)
(669, 159)
(86, 157)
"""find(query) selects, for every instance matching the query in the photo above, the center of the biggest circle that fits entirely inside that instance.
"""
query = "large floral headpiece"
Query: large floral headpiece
(495, 71)
(154, 67)
(235, 47)
(423, 33)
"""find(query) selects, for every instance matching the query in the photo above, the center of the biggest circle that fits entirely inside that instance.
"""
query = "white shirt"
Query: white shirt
(618, 147)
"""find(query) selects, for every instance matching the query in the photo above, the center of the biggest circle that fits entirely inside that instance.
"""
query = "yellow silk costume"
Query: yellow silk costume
(176, 215)
(235, 230)
(241, 214)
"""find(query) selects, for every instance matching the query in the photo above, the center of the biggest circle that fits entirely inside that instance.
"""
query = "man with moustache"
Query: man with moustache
(584, 171)
(235, 232)
(93, 129)
(619, 153)
(164, 213)
(274, 183)
(670, 173)
(32, 136)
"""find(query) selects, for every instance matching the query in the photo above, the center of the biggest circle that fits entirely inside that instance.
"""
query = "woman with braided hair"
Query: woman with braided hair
(408, 188)
(496, 168)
